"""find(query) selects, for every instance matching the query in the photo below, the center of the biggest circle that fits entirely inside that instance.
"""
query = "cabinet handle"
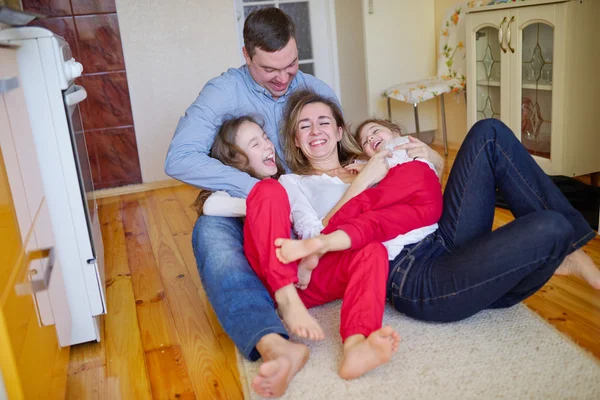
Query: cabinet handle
(508, 34)
(500, 34)
(8, 84)
(34, 283)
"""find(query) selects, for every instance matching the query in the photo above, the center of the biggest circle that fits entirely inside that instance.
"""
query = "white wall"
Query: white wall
(400, 47)
(171, 48)
(351, 56)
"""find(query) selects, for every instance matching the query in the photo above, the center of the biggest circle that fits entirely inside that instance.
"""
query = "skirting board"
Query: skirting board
(142, 187)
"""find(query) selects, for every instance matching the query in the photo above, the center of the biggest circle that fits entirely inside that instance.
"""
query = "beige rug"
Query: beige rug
(510, 354)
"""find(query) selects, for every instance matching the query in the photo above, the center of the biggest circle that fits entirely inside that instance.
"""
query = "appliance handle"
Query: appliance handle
(76, 96)
(37, 281)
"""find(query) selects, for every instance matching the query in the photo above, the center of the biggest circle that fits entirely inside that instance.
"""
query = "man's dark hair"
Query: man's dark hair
(268, 29)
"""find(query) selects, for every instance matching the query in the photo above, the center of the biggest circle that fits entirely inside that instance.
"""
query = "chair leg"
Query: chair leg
(389, 105)
(416, 108)
(444, 125)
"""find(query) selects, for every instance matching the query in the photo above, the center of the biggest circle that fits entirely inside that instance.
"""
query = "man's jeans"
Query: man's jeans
(241, 302)
(464, 267)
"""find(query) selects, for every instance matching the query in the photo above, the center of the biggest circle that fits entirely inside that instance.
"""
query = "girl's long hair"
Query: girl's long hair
(225, 150)
(348, 149)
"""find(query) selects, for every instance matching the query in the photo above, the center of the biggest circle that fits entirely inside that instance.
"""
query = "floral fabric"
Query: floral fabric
(451, 68)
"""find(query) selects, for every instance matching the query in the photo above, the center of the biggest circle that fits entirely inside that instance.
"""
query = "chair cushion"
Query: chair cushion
(425, 89)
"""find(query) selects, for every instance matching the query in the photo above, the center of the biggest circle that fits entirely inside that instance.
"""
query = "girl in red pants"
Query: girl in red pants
(359, 274)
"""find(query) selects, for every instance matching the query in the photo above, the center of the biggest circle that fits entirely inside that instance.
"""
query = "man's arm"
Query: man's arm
(188, 155)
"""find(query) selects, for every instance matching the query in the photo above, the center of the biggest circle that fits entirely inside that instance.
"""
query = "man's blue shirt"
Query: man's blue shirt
(232, 94)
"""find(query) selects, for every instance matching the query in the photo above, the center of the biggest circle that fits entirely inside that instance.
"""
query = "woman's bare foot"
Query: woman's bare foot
(282, 360)
(361, 354)
(582, 266)
(305, 268)
(295, 315)
(289, 250)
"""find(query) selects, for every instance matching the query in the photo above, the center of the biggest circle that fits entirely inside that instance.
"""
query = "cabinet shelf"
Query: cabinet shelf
(484, 82)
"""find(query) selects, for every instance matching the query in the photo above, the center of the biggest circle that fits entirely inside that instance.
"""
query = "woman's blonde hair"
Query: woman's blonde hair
(383, 122)
(225, 150)
(348, 149)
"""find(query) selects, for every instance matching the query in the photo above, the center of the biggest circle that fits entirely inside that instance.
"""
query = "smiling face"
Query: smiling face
(373, 137)
(274, 71)
(258, 148)
(317, 133)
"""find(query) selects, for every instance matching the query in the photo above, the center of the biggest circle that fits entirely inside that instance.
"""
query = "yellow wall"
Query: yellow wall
(456, 113)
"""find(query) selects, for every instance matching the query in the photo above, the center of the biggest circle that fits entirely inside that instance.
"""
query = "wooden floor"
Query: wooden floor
(161, 339)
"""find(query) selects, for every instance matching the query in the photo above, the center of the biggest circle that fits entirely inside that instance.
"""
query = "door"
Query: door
(487, 66)
(317, 52)
(536, 67)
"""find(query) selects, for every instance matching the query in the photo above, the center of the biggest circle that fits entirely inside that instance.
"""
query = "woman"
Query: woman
(464, 266)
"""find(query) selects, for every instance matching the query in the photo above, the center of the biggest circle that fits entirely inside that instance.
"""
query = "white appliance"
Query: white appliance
(47, 72)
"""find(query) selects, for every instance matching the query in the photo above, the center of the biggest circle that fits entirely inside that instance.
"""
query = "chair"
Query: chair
(451, 69)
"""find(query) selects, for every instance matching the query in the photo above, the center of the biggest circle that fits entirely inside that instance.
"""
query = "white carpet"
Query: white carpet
(511, 354)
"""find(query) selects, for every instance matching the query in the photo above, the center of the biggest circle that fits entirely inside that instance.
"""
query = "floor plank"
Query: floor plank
(211, 376)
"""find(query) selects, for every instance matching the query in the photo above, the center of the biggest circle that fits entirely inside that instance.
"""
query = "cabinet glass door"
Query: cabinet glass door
(537, 51)
(488, 72)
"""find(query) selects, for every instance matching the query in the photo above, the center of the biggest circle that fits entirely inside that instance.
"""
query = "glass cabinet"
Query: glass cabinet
(532, 66)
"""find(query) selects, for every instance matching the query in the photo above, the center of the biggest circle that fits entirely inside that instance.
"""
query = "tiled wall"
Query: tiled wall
(92, 30)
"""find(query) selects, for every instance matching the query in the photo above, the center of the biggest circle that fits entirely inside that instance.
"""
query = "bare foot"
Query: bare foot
(361, 354)
(582, 266)
(282, 360)
(289, 250)
(295, 315)
(305, 268)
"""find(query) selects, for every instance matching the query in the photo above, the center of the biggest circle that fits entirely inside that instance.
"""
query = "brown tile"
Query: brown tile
(93, 6)
(99, 43)
(113, 157)
(107, 104)
(50, 8)
(62, 26)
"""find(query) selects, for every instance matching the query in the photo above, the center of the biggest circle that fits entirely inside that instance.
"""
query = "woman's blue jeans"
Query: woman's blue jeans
(464, 267)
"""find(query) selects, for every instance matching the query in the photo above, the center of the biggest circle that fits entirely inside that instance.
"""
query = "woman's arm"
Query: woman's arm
(221, 204)
(372, 173)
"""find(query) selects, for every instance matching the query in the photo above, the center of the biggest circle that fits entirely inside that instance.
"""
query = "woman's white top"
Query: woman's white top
(311, 198)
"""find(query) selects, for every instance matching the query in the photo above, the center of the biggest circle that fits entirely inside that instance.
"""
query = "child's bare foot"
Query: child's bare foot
(295, 315)
(305, 268)
(289, 250)
(282, 360)
(582, 266)
(361, 354)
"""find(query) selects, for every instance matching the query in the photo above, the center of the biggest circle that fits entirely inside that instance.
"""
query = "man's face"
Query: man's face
(274, 71)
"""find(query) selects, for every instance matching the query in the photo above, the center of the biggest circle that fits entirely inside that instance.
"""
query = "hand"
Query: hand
(376, 169)
(416, 148)
(355, 168)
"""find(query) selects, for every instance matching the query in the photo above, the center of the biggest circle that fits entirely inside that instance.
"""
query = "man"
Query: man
(261, 87)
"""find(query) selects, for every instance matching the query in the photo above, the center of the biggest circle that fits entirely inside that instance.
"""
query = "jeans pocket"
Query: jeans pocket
(398, 278)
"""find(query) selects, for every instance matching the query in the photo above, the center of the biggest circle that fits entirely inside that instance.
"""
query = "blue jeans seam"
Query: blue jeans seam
(584, 238)
(521, 176)
(253, 341)
(474, 286)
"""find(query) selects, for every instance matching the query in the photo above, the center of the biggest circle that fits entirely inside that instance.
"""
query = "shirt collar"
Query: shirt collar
(257, 88)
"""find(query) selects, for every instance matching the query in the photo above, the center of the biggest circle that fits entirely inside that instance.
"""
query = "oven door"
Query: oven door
(74, 95)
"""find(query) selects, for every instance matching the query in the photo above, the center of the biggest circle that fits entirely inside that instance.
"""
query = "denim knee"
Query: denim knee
(552, 228)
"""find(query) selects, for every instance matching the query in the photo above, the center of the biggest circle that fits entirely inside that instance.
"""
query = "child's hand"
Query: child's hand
(416, 148)
(355, 168)
(376, 169)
